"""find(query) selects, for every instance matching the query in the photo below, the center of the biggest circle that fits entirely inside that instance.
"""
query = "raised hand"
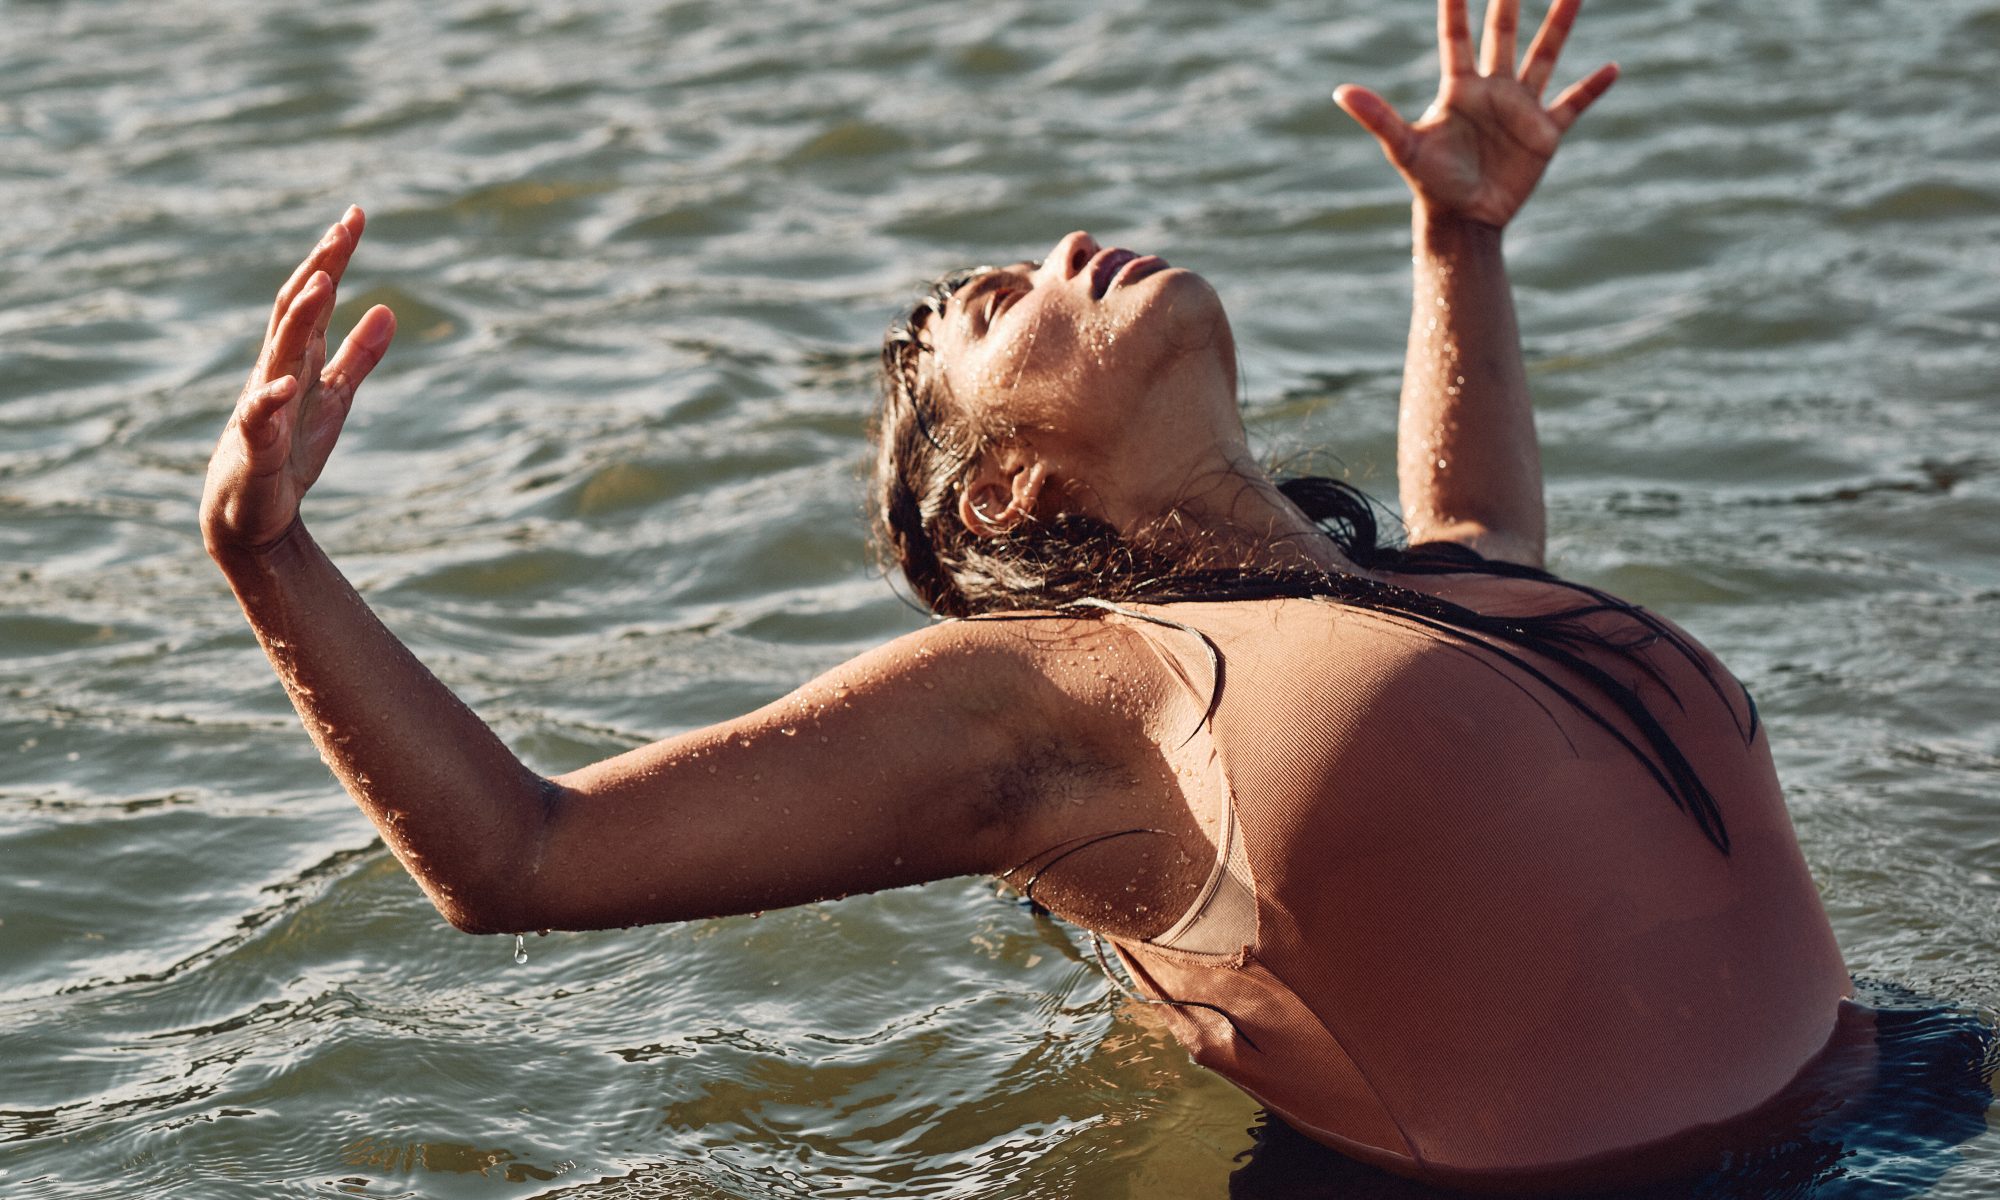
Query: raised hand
(1479, 149)
(293, 405)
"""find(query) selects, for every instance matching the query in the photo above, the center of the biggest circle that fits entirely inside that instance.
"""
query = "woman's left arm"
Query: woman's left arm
(931, 757)
(1468, 463)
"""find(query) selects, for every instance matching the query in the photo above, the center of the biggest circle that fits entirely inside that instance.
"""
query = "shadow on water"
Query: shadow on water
(1896, 1139)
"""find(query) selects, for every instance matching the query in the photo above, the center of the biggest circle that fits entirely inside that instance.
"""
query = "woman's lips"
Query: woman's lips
(1117, 267)
(1138, 268)
(1103, 266)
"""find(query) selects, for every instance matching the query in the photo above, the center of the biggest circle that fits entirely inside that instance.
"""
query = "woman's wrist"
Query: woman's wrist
(1441, 230)
(233, 554)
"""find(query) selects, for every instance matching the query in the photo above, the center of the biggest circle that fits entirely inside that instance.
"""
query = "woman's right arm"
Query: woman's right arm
(1468, 462)
(935, 756)
(449, 798)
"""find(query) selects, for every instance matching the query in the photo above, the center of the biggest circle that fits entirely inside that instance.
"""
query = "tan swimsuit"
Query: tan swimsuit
(1457, 930)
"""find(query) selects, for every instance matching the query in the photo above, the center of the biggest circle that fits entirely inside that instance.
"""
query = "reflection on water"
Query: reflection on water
(1831, 1136)
(605, 485)
(402, 1158)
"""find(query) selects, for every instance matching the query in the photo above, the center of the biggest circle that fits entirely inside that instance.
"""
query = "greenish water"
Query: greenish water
(606, 485)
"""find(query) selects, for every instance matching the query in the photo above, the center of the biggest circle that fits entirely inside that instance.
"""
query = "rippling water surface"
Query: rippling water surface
(606, 485)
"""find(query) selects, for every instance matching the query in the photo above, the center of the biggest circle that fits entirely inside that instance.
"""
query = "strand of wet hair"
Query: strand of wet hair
(1604, 602)
(1551, 635)
(1346, 514)
(1668, 767)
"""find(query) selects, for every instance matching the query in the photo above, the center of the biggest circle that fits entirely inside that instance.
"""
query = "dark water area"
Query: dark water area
(606, 485)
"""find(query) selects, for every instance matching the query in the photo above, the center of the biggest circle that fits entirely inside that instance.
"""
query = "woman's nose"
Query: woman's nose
(1070, 254)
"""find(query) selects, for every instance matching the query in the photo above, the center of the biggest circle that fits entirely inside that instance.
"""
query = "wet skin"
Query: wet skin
(1104, 382)
(966, 747)
(1114, 370)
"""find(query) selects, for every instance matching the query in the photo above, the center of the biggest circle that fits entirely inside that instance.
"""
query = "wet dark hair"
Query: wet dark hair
(927, 448)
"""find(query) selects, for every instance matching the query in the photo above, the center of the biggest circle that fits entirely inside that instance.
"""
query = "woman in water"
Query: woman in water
(1473, 873)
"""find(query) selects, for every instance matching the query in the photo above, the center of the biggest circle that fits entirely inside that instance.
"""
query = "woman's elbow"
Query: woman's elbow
(496, 892)
(480, 912)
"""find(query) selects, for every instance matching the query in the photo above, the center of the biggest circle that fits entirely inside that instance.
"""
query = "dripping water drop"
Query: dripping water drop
(520, 948)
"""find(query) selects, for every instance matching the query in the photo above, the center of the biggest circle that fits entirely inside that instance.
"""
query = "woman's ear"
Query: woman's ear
(1002, 491)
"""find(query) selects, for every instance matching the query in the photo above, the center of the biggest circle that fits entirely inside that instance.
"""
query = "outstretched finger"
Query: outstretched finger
(1377, 117)
(315, 354)
(361, 351)
(1548, 45)
(1454, 39)
(1581, 95)
(358, 355)
(285, 351)
(331, 255)
(1496, 49)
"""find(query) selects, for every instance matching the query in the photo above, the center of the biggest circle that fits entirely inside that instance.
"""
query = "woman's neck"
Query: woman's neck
(1229, 516)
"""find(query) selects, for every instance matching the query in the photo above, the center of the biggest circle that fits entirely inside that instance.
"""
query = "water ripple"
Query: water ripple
(606, 485)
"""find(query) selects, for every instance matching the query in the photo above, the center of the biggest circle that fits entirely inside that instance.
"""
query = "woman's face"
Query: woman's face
(1110, 364)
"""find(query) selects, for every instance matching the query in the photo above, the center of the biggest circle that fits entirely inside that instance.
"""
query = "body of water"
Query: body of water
(607, 486)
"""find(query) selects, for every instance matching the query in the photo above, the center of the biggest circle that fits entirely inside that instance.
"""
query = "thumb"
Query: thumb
(1375, 115)
(266, 424)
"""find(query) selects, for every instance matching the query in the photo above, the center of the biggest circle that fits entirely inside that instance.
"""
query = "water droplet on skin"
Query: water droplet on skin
(520, 948)
(1441, 464)
(788, 731)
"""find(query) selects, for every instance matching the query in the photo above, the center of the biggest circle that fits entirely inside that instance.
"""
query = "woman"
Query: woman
(1472, 873)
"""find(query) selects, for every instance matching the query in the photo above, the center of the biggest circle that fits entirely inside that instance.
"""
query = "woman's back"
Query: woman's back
(1477, 915)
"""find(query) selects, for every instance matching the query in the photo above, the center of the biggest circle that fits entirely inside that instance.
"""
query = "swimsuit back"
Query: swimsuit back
(1456, 928)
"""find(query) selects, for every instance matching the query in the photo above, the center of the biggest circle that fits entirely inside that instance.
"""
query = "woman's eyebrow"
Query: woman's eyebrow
(986, 282)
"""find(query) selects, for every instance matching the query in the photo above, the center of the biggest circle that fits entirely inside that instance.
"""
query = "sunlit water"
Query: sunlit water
(606, 485)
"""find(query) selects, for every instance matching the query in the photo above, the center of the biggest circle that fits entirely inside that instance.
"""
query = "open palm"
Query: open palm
(1482, 145)
(294, 403)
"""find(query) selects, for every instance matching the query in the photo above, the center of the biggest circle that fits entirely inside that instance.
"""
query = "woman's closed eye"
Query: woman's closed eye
(982, 300)
(996, 303)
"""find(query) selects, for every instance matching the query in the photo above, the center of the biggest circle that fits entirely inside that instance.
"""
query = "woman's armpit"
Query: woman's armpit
(944, 753)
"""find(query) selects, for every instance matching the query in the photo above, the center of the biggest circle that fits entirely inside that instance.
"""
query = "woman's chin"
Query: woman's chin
(1187, 307)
